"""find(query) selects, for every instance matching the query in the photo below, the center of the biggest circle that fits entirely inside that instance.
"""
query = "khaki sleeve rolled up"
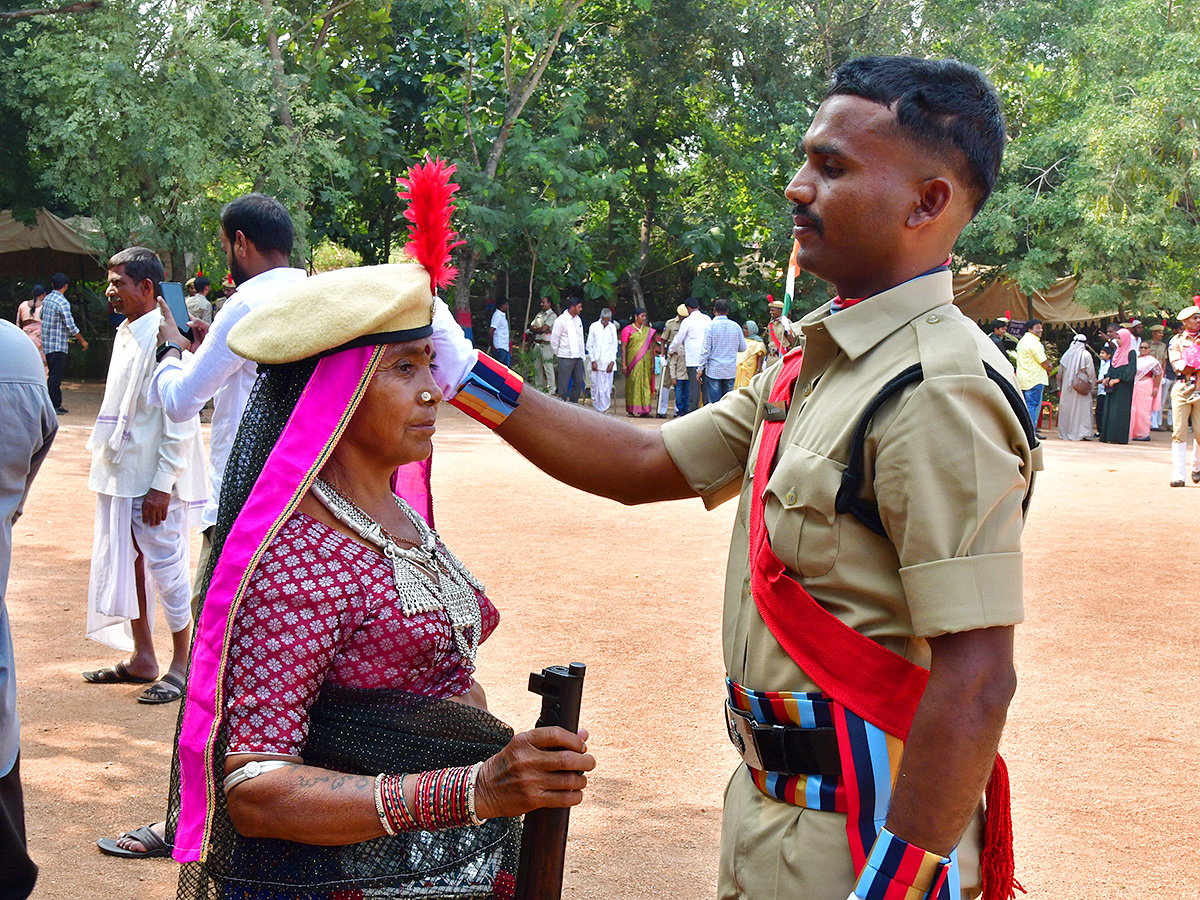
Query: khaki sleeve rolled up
(951, 472)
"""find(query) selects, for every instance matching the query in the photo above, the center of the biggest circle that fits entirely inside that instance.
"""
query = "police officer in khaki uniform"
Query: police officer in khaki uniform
(1185, 397)
(782, 335)
(947, 464)
(540, 328)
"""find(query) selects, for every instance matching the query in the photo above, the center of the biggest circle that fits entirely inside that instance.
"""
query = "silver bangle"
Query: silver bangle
(387, 826)
(471, 811)
(253, 769)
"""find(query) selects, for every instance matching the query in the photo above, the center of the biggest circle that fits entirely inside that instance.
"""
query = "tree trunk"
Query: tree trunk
(635, 272)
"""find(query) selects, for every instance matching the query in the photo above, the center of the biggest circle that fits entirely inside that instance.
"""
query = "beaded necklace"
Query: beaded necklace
(428, 576)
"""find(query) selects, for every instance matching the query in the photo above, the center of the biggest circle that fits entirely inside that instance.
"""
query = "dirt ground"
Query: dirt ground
(1101, 741)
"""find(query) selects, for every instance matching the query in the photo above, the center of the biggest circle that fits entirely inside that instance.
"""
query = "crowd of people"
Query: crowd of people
(325, 648)
(1136, 384)
(690, 360)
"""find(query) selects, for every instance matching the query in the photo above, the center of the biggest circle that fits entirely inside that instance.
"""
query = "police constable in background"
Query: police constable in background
(922, 584)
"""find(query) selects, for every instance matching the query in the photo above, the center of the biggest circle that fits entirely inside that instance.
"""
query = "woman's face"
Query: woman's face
(392, 422)
(639, 319)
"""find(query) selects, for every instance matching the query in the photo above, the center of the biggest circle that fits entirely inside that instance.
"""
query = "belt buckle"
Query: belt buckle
(741, 733)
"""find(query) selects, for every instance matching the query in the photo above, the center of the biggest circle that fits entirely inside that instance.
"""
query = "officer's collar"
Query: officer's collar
(859, 328)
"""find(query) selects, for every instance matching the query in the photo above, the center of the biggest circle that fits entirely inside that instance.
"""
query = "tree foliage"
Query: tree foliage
(637, 149)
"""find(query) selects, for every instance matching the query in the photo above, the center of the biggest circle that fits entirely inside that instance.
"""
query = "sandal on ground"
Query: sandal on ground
(168, 690)
(155, 846)
(118, 674)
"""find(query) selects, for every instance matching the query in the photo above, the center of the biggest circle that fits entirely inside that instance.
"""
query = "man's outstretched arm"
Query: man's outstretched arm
(594, 452)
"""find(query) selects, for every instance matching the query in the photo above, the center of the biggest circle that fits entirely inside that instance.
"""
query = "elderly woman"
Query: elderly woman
(334, 741)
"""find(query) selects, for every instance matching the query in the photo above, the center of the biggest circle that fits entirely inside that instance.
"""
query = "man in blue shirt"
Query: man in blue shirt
(723, 341)
(58, 328)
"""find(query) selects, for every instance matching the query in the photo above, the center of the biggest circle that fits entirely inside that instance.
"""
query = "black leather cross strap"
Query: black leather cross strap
(786, 749)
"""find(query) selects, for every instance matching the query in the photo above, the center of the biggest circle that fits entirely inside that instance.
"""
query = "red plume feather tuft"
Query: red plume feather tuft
(428, 190)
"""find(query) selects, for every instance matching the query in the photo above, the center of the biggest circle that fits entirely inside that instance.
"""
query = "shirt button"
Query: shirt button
(934, 319)
(791, 497)
(807, 389)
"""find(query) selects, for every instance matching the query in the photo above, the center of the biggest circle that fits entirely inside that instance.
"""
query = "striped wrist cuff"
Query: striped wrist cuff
(490, 392)
(898, 870)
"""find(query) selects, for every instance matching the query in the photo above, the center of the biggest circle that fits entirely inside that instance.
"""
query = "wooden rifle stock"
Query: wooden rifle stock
(544, 833)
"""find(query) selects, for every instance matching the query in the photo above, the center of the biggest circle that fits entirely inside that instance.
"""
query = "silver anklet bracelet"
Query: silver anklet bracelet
(253, 769)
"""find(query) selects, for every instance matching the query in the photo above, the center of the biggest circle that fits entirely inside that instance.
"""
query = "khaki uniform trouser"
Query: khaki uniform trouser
(206, 537)
(776, 851)
(545, 365)
(1185, 407)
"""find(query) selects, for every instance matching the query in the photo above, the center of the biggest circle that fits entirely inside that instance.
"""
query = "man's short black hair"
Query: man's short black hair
(263, 221)
(140, 264)
(501, 301)
(202, 282)
(1032, 324)
(721, 306)
(58, 281)
(942, 105)
(999, 323)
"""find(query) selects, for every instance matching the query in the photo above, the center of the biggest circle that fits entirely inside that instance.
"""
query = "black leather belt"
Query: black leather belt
(787, 749)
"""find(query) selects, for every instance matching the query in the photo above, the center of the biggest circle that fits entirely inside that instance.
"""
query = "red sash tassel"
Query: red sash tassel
(871, 681)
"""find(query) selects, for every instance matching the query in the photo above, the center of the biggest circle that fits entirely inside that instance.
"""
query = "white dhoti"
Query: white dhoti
(602, 387)
(112, 590)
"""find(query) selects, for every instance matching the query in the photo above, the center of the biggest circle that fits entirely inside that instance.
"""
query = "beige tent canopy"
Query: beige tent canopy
(54, 245)
(1054, 306)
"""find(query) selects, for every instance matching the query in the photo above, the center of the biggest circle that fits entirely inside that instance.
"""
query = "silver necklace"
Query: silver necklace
(429, 578)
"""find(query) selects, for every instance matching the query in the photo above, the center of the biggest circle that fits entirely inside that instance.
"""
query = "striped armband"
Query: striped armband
(490, 392)
(898, 870)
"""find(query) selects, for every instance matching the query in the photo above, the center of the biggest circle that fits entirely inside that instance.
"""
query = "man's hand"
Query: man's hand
(83, 342)
(154, 507)
(610, 367)
(595, 368)
(199, 331)
(168, 331)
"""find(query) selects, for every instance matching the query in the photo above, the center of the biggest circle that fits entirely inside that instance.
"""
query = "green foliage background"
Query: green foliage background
(637, 149)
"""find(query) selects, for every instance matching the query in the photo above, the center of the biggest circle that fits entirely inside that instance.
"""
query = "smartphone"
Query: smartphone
(172, 292)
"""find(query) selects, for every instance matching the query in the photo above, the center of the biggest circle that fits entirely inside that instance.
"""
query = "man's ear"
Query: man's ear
(932, 202)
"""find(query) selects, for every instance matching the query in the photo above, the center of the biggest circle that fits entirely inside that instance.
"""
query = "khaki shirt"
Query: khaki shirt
(1183, 391)
(946, 461)
(544, 319)
(676, 368)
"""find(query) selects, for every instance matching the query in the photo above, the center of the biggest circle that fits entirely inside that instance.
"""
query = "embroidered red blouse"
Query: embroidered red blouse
(323, 606)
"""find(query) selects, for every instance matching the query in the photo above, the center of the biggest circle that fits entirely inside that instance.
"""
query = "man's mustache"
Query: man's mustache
(803, 212)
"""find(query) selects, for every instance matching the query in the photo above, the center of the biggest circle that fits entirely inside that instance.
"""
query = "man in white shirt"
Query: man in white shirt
(691, 339)
(148, 475)
(501, 347)
(198, 306)
(566, 340)
(602, 345)
(257, 236)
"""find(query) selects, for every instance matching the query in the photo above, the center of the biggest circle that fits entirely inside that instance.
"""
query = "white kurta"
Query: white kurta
(137, 448)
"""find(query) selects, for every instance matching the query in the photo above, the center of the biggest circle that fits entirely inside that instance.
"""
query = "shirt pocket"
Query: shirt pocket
(799, 511)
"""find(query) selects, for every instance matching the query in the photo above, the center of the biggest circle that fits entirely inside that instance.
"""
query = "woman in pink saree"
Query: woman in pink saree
(637, 362)
(1146, 394)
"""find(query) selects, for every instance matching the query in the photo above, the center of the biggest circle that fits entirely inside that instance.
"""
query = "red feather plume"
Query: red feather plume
(428, 190)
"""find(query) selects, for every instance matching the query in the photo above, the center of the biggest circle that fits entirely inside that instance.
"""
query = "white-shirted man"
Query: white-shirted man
(602, 346)
(691, 339)
(257, 236)
(566, 340)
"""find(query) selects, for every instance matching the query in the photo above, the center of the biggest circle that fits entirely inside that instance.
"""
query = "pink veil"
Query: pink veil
(312, 431)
